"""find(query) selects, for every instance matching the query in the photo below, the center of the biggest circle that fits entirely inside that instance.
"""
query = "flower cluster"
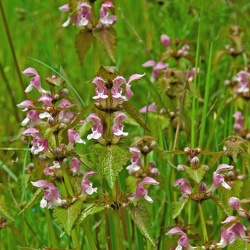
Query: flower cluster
(82, 15)
(49, 121)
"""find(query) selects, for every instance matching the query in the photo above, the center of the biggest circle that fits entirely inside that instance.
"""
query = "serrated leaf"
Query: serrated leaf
(141, 218)
(83, 42)
(55, 81)
(107, 73)
(110, 161)
(131, 183)
(47, 133)
(215, 158)
(220, 205)
(134, 113)
(4, 208)
(196, 174)
(177, 207)
(80, 116)
(108, 39)
(88, 211)
(239, 244)
(36, 196)
(66, 217)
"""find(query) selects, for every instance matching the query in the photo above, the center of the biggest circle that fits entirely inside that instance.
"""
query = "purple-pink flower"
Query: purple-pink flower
(35, 81)
(218, 179)
(25, 105)
(149, 108)
(74, 137)
(97, 128)
(52, 197)
(183, 241)
(157, 67)
(135, 160)
(243, 81)
(184, 187)
(239, 122)
(106, 20)
(75, 166)
(39, 145)
(165, 40)
(100, 90)
(117, 128)
(87, 186)
(141, 191)
(231, 234)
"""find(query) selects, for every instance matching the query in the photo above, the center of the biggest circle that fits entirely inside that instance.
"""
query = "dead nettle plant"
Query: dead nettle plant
(79, 177)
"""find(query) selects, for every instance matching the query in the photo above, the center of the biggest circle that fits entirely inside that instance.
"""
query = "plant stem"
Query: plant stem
(118, 230)
(12, 48)
(203, 223)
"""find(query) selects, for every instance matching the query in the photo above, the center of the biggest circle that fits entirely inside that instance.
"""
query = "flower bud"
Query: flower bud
(154, 171)
(195, 161)
(64, 92)
(203, 187)
(57, 151)
(56, 97)
(152, 164)
(186, 149)
(107, 206)
(51, 120)
(180, 168)
(62, 126)
(206, 168)
(153, 144)
(231, 175)
(145, 149)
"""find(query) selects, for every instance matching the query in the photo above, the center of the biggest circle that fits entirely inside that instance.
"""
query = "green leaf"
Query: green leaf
(239, 244)
(47, 133)
(196, 174)
(80, 116)
(66, 217)
(220, 205)
(83, 41)
(88, 211)
(177, 207)
(4, 208)
(36, 196)
(134, 113)
(107, 73)
(55, 81)
(110, 161)
(108, 39)
(141, 218)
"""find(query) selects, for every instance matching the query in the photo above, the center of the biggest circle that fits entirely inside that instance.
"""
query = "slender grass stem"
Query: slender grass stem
(203, 223)
(12, 48)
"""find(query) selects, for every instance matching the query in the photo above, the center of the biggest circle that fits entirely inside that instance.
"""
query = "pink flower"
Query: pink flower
(75, 166)
(149, 108)
(87, 186)
(141, 191)
(74, 137)
(32, 117)
(239, 122)
(97, 128)
(184, 51)
(157, 67)
(234, 202)
(50, 170)
(47, 101)
(191, 73)
(106, 20)
(218, 179)
(135, 160)
(117, 128)
(117, 91)
(39, 145)
(25, 105)
(83, 16)
(35, 82)
(101, 90)
(31, 132)
(231, 234)
(52, 197)
(64, 8)
(165, 40)
(184, 187)
(183, 241)
(243, 82)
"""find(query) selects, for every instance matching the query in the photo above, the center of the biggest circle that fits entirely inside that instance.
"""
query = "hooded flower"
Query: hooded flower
(183, 241)
(39, 145)
(74, 137)
(100, 90)
(218, 179)
(97, 128)
(106, 20)
(25, 105)
(157, 67)
(231, 234)
(52, 197)
(239, 122)
(141, 191)
(75, 166)
(165, 40)
(87, 186)
(35, 81)
(117, 128)
(135, 160)
(243, 81)
(149, 108)
(184, 187)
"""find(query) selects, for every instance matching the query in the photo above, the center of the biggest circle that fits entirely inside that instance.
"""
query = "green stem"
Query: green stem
(51, 232)
(118, 230)
(89, 237)
(12, 48)
(203, 223)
